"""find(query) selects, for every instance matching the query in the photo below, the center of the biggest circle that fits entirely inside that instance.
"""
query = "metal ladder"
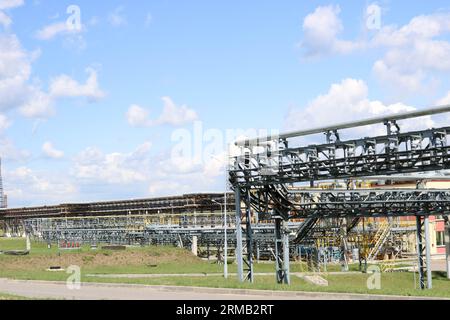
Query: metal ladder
(379, 240)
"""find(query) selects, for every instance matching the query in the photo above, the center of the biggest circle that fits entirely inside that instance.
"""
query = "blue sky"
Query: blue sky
(90, 114)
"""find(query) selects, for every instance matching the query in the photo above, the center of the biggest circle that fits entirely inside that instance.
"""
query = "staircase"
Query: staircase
(379, 240)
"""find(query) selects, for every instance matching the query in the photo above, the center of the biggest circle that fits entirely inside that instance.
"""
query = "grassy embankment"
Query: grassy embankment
(169, 260)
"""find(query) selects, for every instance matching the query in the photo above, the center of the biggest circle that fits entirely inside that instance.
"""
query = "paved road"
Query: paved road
(94, 291)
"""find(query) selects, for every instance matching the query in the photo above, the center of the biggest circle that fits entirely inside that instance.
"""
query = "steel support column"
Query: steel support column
(420, 262)
(447, 247)
(281, 251)
(287, 277)
(278, 251)
(239, 249)
(249, 238)
(428, 252)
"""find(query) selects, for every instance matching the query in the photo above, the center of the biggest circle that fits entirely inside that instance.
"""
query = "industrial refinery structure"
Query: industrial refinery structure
(366, 199)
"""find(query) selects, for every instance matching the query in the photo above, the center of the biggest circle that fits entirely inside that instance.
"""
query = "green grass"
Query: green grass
(170, 260)
(4, 296)
(401, 284)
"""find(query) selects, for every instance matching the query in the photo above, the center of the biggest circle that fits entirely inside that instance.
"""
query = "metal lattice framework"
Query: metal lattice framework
(418, 151)
(266, 168)
(368, 203)
(14, 218)
(150, 229)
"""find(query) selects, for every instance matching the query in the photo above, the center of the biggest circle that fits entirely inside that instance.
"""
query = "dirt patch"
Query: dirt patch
(102, 258)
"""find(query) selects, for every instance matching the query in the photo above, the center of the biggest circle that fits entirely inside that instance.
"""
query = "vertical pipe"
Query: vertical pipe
(249, 237)
(447, 248)
(239, 254)
(428, 253)
(278, 249)
(287, 279)
(225, 227)
(420, 252)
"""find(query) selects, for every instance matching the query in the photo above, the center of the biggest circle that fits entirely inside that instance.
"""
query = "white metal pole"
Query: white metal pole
(428, 253)
(225, 223)
(225, 247)
(447, 248)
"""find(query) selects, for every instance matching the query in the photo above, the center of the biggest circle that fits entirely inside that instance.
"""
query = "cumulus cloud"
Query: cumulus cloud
(15, 71)
(149, 174)
(38, 105)
(28, 187)
(50, 31)
(9, 151)
(171, 114)
(65, 86)
(50, 151)
(347, 101)
(114, 168)
(6, 20)
(4, 123)
(53, 30)
(10, 4)
(412, 52)
(320, 33)
(138, 116)
(18, 91)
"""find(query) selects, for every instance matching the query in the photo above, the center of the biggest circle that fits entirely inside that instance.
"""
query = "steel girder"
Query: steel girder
(267, 168)
(370, 203)
(278, 163)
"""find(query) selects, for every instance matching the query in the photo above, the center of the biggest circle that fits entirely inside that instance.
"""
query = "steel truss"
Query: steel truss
(369, 203)
(177, 230)
(418, 151)
(266, 168)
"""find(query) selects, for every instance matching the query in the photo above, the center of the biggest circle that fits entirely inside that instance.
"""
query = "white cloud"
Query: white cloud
(64, 86)
(31, 188)
(138, 116)
(17, 91)
(444, 101)
(10, 4)
(39, 105)
(347, 101)
(10, 152)
(15, 71)
(171, 115)
(73, 37)
(412, 52)
(50, 151)
(321, 29)
(151, 175)
(4, 123)
(116, 18)
(174, 115)
(113, 168)
(6, 20)
(51, 31)
(391, 75)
